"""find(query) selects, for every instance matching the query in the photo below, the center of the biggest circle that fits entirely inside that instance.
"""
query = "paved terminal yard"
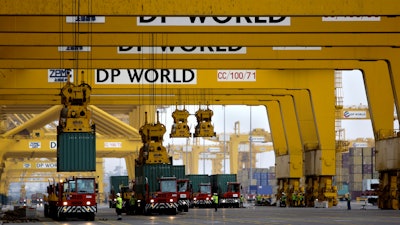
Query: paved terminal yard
(249, 215)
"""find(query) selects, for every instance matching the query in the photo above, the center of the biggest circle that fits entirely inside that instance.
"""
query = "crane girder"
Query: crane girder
(86, 42)
(204, 7)
(118, 127)
(255, 57)
(46, 148)
(369, 68)
(146, 24)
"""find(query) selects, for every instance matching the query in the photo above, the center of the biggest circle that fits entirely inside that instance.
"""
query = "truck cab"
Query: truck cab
(231, 198)
(184, 194)
(74, 197)
(203, 198)
(165, 200)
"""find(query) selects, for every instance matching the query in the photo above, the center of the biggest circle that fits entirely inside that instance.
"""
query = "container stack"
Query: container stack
(263, 180)
(356, 166)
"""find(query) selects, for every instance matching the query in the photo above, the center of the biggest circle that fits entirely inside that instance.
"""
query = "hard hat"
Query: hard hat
(215, 193)
(118, 194)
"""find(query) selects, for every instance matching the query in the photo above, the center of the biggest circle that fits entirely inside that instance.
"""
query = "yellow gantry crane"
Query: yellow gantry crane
(283, 46)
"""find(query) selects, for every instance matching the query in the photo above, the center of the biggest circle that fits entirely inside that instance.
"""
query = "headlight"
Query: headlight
(65, 203)
(139, 201)
(171, 200)
(195, 199)
(207, 198)
(88, 203)
(223, 201)
(236, 200)
(151, 200)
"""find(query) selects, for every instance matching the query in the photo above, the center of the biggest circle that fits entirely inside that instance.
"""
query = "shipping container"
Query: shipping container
(220, 181)
(150, 173)
(179, 172)
(197, 179)
(3, 199)
(76, 152)
(265, 190)
(118, 181)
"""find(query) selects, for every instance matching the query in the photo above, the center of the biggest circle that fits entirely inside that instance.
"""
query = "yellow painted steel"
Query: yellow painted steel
(104, 119)
(388, 190)
(125, 24)
(85, 42)
(255, 57)
(324, 182)
(27, 170)
(205, 7)
(20, 147)
(130, 100)
(153, 150)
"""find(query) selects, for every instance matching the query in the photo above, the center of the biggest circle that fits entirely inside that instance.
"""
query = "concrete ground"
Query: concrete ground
(338, 215)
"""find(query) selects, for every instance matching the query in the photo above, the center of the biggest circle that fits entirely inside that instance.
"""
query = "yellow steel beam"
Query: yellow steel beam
(321, 161)
(125, 95)
(305, 115)
(204, 7)
(87, 41)
(264, 24)
(255, 57)
(106, 123)
(38, 122)
(46, 148)
(391, 55)
(275, 119)
(113, 124)
(289, 165)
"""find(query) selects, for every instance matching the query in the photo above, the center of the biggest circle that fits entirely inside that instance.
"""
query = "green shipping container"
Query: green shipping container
(116, 182)
(197, 179)
(179, 172)
(150, 173)
(76, 152)
(219, 182)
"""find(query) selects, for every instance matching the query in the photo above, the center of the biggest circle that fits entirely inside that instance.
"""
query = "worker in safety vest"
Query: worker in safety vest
(348, 198)
(241, 201)
(118, 206)
(294, 199)
(215, 201)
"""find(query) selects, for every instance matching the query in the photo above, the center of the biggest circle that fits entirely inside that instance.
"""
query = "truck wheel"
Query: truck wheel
(91, 217)
(61, 217)
(173, 211)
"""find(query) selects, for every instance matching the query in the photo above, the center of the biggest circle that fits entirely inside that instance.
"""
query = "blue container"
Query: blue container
(265, 190)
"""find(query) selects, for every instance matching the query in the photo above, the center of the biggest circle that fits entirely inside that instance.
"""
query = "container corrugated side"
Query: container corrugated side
(219, 182)
(76, 152)
(117, 181)
(151, 173)
(179, 172)
(197, 179)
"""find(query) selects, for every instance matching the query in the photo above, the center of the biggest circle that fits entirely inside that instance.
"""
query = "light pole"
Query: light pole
(204, 157)
(224, 143)
(251, 167)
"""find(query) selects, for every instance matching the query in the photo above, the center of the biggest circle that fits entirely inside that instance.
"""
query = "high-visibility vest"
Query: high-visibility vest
(119, 203)
(215, 198)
